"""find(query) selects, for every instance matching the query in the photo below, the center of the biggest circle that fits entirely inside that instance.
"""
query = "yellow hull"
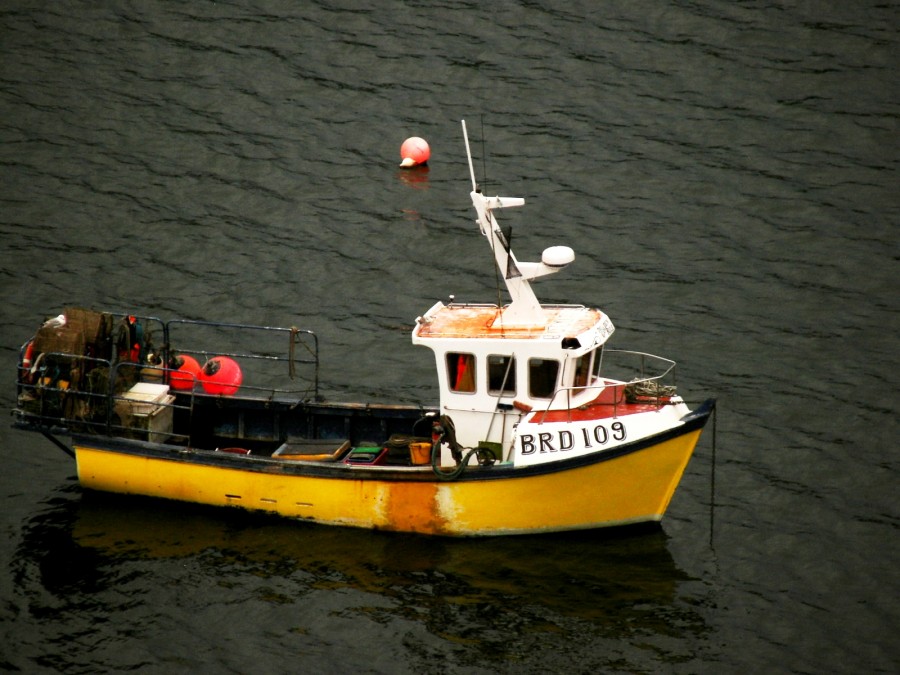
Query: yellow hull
(630, 488)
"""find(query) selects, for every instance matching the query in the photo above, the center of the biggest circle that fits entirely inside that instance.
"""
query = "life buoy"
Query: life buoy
(27, 358)
(29, 354)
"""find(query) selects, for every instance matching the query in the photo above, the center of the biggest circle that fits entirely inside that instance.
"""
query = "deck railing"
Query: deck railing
(650, 378)
(64, 391)
(262, 345)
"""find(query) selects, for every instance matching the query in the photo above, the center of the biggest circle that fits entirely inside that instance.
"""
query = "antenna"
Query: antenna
(469, 155)
(524, 308)
(483, 157)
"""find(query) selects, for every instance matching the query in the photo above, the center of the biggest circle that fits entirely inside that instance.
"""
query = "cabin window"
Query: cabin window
(582, 370)
(501, 374)
(542, 375)
(598, 363)
(461, 372)
(587, 369)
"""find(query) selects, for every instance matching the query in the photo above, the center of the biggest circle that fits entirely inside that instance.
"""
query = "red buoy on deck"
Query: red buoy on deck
(221, 375)
(414, 152)
(186, 373)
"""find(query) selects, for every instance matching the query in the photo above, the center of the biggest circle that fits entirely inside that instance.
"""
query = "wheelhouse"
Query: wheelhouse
(489, 372)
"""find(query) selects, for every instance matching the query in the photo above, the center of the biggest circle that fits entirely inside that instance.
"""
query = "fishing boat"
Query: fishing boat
(539, 427)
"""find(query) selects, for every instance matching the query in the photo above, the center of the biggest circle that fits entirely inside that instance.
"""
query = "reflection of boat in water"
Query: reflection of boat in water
(110, 563)
(574, 574)
(540, 428)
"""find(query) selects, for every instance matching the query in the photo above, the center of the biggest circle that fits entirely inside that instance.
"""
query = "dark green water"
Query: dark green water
(727, 175)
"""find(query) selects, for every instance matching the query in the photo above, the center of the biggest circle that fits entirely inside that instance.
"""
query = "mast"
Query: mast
(524, 307)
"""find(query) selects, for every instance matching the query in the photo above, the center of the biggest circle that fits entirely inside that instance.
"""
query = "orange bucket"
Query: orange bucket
(420, 453)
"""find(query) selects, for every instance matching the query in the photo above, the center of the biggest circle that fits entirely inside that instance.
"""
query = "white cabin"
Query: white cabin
(491, 374)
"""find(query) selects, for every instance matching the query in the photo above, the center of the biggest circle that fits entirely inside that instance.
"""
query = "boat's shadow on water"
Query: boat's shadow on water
(615, 581)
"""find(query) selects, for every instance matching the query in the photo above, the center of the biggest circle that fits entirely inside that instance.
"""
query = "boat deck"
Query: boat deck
(614, 400)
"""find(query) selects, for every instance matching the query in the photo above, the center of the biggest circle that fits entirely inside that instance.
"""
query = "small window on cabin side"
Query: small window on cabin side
(461, 371)
(598, 363)
(542, 375)
(501, 374)
(582, 370)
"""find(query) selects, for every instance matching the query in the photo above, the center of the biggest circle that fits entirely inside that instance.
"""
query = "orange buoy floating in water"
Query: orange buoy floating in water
(186, 371)
(414, 152)
(221, 375)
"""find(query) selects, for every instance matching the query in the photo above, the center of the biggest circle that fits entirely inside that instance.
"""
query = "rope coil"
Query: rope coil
(444, 431)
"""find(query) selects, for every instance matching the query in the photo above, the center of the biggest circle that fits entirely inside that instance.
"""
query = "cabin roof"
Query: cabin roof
(461, 321)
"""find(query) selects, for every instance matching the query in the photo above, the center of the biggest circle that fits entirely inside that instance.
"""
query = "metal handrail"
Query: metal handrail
(41, 390)
(164, 375)
(291, 359)
(50, 412)
(600, 386)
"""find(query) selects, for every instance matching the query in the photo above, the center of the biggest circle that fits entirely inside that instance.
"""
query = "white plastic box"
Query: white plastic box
(147, 408)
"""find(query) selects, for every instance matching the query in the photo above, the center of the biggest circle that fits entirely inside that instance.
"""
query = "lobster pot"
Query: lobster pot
(147, 410)
(59, 340)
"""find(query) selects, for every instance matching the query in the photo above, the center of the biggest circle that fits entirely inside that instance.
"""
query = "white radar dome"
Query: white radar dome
(557, 256)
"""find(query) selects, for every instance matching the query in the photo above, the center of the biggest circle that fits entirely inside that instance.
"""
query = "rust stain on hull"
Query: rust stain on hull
(413, 507)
